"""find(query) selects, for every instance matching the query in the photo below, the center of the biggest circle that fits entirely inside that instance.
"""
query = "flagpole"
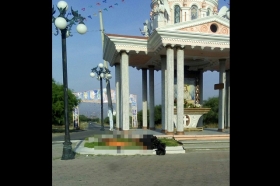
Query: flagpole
(110, 105)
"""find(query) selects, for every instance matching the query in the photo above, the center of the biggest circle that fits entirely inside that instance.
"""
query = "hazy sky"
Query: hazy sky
(85, 51)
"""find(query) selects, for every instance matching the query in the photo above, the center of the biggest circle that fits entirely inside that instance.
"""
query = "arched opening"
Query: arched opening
(208, 13)
(177, 14)
(194, 12)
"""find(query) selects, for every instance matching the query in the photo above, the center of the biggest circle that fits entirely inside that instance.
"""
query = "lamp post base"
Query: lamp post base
(67, 151)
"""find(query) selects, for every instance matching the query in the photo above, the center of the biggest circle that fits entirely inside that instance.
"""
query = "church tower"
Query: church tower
(170, 12)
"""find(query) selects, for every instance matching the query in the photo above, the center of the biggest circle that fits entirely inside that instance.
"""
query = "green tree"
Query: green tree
(83, 118)
(157, 116)
(106, 120)
(140, 119)
(212, 116)
(58, 103)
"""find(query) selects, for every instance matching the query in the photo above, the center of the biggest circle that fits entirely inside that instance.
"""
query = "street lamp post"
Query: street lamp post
(64, 25)
(101, 73)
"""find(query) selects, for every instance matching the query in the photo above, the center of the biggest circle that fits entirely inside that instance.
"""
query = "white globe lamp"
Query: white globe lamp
(100, 65)
(92, 74)
(81, 28)
(62, 5)
(60, 23)
(109, 76)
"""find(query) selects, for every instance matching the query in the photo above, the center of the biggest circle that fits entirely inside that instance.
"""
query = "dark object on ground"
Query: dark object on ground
(159, 146)
(151, 142)
(147, 141)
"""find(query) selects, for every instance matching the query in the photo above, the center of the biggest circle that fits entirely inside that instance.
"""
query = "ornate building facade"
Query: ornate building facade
(182, 39)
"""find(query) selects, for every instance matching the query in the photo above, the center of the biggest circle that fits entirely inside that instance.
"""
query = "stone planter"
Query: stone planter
(191, 116)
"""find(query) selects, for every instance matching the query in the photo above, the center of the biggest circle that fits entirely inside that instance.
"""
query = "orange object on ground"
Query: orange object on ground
(118, 143)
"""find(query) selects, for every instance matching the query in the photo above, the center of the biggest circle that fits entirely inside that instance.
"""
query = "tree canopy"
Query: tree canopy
(157, 115)
(212, 116)
(58, 103)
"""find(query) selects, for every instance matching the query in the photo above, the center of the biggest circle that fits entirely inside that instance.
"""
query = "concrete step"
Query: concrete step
(205, 144)
(201, 137)
(169, 150)
(204, 141)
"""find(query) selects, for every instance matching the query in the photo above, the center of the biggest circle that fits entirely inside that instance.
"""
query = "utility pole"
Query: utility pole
(110, 105)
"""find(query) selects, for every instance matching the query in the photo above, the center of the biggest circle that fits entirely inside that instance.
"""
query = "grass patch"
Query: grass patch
(93, 144)
(127, 143)
(105, 124)
(169, 142)
(116, 148)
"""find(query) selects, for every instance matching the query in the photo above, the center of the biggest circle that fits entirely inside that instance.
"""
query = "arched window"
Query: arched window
(194, 12)
(177, 14)
(208, 12)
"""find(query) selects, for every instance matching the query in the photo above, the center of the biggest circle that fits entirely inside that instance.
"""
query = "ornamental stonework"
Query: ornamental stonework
(205, 28)
(185, 3)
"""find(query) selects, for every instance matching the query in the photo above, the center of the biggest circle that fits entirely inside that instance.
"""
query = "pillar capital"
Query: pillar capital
(123, 51)
(169, 46)
(180, 47)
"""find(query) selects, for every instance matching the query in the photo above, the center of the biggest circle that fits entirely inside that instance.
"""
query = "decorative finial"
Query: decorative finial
(185, 3)
(203, 4)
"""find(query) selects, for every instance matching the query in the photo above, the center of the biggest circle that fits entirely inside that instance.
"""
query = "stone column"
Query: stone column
(188, 11)
(222, 79)
(163, 94)
(227, 116)
(184, 15)
(118, 96)
(200, 82)
(170, 89)
(180, 91)
(124, 91)
(152, 98)
(144, 99)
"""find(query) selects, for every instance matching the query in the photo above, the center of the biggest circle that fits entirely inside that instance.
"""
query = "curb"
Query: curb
(84, 150)
(59, 142)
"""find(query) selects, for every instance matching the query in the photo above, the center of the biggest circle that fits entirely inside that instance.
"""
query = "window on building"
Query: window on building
(177, 14)
(194, 12)
(208, 12)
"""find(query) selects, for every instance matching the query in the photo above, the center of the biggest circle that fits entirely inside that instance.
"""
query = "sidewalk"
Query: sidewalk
(197, 168)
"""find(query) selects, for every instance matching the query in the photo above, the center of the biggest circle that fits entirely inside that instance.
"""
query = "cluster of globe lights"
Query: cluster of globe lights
(100, 74)
(106, 74)
(61, 23)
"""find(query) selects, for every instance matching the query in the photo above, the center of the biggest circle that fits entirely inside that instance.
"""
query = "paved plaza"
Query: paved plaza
(202, 167)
